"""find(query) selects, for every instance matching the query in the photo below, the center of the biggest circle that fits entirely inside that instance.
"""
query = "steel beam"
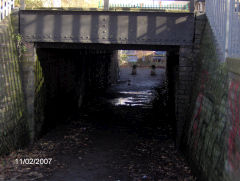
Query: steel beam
(107, 27)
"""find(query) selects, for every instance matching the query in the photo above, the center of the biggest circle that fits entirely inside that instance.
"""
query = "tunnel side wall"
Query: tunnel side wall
(37, 83)
(213, 131)
(13, 123)
(65, 79)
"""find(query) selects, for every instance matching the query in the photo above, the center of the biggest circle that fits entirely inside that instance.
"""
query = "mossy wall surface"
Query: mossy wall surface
(39, 84)
(22, 89)
(13, 124)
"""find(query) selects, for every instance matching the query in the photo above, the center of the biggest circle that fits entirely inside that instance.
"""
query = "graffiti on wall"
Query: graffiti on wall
(199, 104)
(233, 140)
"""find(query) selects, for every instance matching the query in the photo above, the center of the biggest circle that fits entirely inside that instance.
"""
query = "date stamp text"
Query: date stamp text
(33, 161)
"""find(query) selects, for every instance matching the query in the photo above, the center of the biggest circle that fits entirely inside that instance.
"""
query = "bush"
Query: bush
(30, 4)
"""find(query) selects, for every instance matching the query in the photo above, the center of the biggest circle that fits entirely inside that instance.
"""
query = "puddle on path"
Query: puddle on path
(133, 98)
(136, 90)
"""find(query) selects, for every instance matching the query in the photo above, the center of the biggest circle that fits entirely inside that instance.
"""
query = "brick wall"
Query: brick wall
(13, 124)
(39, 84)
(212, 134)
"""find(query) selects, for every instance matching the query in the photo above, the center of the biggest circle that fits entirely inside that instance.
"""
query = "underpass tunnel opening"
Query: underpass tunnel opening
(70, 77)
(148, 79)
(141, 73)
(131, 81)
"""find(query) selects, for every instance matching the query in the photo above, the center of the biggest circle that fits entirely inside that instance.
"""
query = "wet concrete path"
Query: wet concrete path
(136, 90)
(118, 137)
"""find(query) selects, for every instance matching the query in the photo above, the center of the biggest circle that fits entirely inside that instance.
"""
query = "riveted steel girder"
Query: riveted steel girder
(107, 27)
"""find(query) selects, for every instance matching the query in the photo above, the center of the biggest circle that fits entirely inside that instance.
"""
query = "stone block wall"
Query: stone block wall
(185, 80)
(40, 98)
(13, 124)
(232, 161)
(212, 134)
(182, 69)
(187, 72)
(37, 84)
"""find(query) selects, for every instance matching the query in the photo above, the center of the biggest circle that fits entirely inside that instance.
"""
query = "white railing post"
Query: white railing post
(6, 7)
(228, 3)
(13, 4)
(9, 7)
(1, 10)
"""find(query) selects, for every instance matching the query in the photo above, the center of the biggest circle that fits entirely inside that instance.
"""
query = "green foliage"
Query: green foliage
(31, 4)
(17, 3)
(20, 45)
(123, 59)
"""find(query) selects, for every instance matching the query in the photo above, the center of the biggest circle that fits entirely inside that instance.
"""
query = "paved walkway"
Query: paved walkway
(110, 140)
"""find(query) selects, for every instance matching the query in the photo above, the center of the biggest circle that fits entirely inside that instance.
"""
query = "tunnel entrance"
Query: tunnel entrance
(141, 79)
(71, 76)
(139, 98)
(102, 119)
(109, 117)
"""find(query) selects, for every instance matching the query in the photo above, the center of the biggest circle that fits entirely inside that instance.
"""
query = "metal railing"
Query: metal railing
(160, 5)
(6, 7)
(224, 18)
(173, 7)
